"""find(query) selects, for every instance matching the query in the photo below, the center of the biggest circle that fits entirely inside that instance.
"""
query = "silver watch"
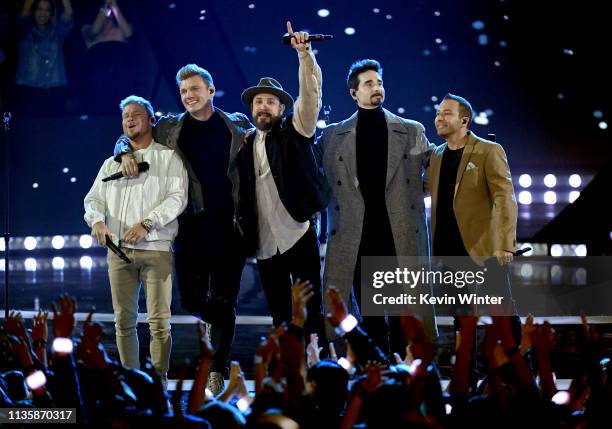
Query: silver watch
(147, 224)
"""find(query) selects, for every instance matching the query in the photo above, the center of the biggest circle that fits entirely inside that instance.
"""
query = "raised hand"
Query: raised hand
(332, 352)
(313, 351)
(299, 41)
(236, 385)
(374, 378)
(92, 332)
(301, 292)
(39, 327)
(21, 349)
(63, 321)
(14, 325)
(338, 308)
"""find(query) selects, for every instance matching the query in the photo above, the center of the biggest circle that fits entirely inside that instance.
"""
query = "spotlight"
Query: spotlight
(57, 242)
(85, 241)
(30, 264)
(550, 197)
(525, 180)
(323, 13)
(556, 250)
(575, 180)
(86, 262)
(2, 246)
(525, 198)
(349, 31)
(58, 263)
(580, 250)
(573, 196)
(603, 125)
(550, 180)
(30, 243)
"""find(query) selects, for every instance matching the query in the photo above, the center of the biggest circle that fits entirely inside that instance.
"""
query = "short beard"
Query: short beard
(266, 126)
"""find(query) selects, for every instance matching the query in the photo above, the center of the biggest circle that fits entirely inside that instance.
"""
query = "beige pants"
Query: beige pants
(154, 270)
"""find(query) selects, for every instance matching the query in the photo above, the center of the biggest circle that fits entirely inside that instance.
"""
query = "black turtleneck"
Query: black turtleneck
(447, 238)
(372, 149)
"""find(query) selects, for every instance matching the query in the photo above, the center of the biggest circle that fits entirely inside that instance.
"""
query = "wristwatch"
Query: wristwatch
(147, 224)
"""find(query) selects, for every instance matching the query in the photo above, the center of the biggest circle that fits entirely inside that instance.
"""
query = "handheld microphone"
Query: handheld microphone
(142, 166)
(116, 249)
(311, 38)
(521, 251)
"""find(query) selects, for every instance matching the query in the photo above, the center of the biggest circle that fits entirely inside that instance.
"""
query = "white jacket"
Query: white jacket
(159, 194)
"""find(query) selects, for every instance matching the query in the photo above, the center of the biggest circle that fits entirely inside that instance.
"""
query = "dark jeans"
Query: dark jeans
(209, 259)
(277, 274)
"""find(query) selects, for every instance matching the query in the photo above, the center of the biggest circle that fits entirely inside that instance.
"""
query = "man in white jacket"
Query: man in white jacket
(139, 214)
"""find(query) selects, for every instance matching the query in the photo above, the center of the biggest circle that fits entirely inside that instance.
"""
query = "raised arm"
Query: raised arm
(67, 14)
(27, 6)
(307, 106)
(124, 26)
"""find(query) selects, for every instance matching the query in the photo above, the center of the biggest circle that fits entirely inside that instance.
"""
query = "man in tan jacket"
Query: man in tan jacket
(473, 208)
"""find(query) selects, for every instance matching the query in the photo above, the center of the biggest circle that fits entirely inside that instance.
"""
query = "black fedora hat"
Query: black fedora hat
(267, 85)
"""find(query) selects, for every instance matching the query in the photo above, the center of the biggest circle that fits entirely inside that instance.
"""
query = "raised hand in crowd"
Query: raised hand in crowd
(313, 350)
(63, 320)
(197, 395)
(40, 336)
(301, 292)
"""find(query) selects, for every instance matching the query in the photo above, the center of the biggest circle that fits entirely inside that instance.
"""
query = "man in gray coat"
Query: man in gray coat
(374, 162)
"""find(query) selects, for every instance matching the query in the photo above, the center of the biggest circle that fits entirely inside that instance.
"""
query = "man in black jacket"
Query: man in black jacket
(282, 187)
(210, 249)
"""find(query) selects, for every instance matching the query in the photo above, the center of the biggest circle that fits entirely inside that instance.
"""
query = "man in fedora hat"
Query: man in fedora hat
(282, 188)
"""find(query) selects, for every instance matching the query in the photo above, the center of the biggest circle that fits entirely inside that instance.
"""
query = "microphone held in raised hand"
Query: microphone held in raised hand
(311, 38)
(142, 166)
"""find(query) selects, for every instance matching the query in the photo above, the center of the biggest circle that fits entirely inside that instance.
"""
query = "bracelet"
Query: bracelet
(147, 224)
(347, 325)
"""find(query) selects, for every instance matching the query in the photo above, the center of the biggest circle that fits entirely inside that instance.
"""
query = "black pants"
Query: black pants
(277, 274)
(209, 259)
(385, 331)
